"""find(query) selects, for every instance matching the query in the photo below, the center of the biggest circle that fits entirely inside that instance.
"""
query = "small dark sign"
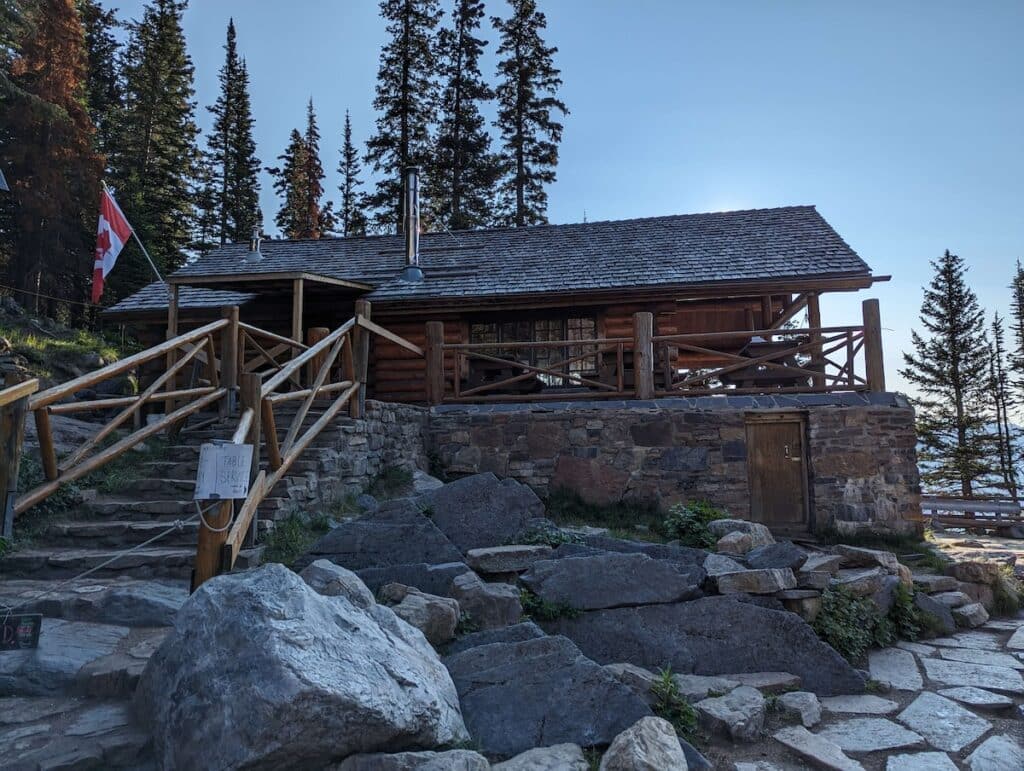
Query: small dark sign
(19, 631)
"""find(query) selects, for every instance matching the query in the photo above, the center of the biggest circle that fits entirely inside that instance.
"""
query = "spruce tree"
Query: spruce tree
(350, 217)
(232, 151)
(1006, 478)
(290, 186)
(465, 170)
(319, 216)
(1017, 327)
(48, 156)
(951, 370)
(406, 102)
(527, 104)
(104, 94)
(155, 157)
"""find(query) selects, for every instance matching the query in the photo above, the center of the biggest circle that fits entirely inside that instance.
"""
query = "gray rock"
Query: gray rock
(871, 734)
(694, 688)
(821, 752)
(952, 599)
(920, 761)
(940, 615)
(944, 723)
(366, 502)
(612, 580)
(886, 594)
(997, 753)
(971, 615)
(489, 606)
(452, 760)
(403, 536)
(806, 603)
(479, 511)
(516, 696)
(979, 640)
(975, 656)
(686, 636)
(1000, 679)
(919, 648)
(759, 534)
(273, 644)
(862, 704)
(932, 584)
(326, 578)
(525, 630)
(435, 616)
(977, 698)
(716, 564)
(738, 714)
(1016, 641)
(432, 579)
(560, 757)
(813, 579)
(506, 559)
(784, 554)
(895, 668)
(860, 582)
(823, 563)
(649, 745)
(802, 705)
(685, 555)
(695, 761)
(734, 543)
(858, 557)
(767, 581)
(768, 682)
(422, 482)
(639, 679)
(975, 571)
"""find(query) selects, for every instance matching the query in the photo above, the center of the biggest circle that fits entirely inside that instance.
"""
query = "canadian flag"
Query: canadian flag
(111, 235)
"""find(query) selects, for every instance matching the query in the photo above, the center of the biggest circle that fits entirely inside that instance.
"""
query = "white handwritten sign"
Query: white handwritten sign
(223, 471)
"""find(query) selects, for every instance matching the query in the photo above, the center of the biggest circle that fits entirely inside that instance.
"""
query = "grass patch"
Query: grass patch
(390, 483)
(566, 507)
(670, 705)
(467, 624)
(688, 523)
(536, 609)
(49, 356)
(292, 537)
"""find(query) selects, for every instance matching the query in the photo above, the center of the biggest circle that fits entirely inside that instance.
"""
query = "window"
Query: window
(541, 330)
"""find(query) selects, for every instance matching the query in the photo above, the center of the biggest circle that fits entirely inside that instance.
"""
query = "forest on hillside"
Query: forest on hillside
(88, 97)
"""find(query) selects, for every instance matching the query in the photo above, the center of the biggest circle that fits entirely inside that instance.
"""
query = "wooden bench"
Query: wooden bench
(1000, 515)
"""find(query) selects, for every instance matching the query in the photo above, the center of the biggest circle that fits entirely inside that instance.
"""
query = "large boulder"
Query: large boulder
(649, 745)
(759, 534)
(452, 760)
(686, 555)
(711, 636)
(539, 692)
(514, 558)
(435, 616)
(488, 606)
(326, 578)
(784, 554)
(938, 618)
(481, 510)
(766, 581)
(525, 630)
(404, 536)
(612, 580)
(560, 757)
(254, 657)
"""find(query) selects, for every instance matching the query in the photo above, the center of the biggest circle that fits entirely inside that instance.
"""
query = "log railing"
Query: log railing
(13, 407)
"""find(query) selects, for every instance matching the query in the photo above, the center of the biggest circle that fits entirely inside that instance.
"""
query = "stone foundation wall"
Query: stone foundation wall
(862, 467)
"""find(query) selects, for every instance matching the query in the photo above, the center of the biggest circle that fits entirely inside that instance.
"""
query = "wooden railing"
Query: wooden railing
(755, 361)
(13, 407)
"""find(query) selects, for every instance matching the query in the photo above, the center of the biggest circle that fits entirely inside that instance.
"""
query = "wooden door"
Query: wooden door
(777, 468)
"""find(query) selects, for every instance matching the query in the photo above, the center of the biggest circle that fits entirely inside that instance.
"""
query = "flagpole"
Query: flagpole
(141, 246)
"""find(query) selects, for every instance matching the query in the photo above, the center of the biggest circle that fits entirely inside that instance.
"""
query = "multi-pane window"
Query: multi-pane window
(540, 330)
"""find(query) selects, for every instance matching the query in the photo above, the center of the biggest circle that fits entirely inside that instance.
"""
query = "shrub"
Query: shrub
(905, 617)
(670, 705)
(1007, 592)
(292, 536)
(541, 610)
(688, 523)
(852, 624)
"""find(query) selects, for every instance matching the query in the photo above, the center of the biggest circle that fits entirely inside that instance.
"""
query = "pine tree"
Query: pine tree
(48, 155)
(319, 217)
(104, 94)
(1017, 327)
(155, 158)
(350, 216)
(1003, 402)
(527, 100)
(406, 101)
(289, 184)
(951, 369)
(231, 151)
(465, 170)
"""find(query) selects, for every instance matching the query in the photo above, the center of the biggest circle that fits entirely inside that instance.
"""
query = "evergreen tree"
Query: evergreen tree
(48, 155)
(527, 101)
(465, 170)
(1017, 327)
(289, 184)
(155, 155)
(406, 101)
(1006, 478)
(233, 164)
(350, 216)
(104, 94)
(950, 367)
(319, 217)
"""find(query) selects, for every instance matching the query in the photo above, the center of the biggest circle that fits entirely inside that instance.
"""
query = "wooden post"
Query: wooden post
(249, 396)
(229, 360)
(208, 559)
(435, 362)
(767, 314)
(874, 365)
(814, 322)
(12, 438)
(46, 448)
(313, 336)
(297, 309)
(643, 355)
(270, 434)
(361, 351)
(172, 355)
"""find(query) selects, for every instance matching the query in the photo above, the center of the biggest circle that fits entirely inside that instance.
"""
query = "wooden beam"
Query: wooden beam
(13, 405)
(643, 355)
(313, 336)
(289, 369)
(377, 329)
(874, 361)
(361, 355)
(249, 397)
(814, 322)
(209, 542)
(435, 362)
(270, 433)
(297, 309)
(229, 359)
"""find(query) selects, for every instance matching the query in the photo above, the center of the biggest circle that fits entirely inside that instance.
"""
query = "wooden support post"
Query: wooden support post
(229, 359)
(46, 447)
(172, 355)
(12, 438)
(249, 397)
(361, 351)
(297, 309)
(814, 322)
(643, 355)
(767, 313)
(435, 362)
(209, 542)
(270, 434)
(874, 365)
(313, 336)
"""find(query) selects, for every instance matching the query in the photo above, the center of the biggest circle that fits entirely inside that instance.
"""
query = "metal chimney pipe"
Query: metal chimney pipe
(254, 255)
(412, 271)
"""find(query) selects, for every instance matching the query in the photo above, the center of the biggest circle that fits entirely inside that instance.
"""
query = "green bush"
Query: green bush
(852, 624)
(1007, 593)
(670, 705)
(541, 610)
(292, 536)
(688, 523)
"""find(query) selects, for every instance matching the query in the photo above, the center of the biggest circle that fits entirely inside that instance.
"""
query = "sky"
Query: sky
(902, 122)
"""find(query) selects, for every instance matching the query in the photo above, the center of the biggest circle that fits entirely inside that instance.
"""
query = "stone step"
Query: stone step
(113, 534)
(119, 600)
(166, 486)
(150, 562)
(129, 507)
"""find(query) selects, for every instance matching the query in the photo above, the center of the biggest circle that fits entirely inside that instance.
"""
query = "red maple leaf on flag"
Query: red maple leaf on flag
(102, 243)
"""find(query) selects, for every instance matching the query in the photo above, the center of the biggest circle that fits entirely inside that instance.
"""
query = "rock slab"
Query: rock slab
(944, 723)
(559, 757)
(649, 745)
(738, 715)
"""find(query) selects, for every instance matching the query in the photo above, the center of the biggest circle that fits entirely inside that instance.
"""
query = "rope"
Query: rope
(207, 525)
(49, 296)
(177, 525)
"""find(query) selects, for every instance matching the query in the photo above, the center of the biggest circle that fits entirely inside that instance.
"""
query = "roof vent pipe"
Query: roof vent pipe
(254, 255)
(411, 271)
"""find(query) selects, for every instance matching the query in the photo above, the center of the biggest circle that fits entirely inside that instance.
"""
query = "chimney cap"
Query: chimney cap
(254, 254)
